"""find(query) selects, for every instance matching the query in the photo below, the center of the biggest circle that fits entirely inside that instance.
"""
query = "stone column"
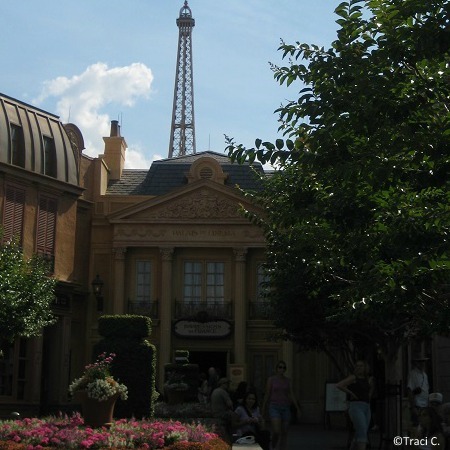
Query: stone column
(240, 307)
(117, 294)
(165, 311)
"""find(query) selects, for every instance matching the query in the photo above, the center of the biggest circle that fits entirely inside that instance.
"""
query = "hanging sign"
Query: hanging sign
(212, 329)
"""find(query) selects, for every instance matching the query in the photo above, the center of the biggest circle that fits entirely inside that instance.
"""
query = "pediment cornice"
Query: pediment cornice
(196, 202)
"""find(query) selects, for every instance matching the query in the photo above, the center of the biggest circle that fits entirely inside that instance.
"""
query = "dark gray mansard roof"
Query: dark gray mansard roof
(168, 174)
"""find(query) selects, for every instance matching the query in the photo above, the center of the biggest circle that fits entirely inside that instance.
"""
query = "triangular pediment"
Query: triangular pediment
(197, 202)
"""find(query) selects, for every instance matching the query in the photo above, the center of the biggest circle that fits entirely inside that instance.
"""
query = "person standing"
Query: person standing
(277, 403)
(417, 387)
(222, 406)
(359, 388)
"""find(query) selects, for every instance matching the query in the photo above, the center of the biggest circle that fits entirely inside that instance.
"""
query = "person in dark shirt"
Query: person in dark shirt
(359, 387)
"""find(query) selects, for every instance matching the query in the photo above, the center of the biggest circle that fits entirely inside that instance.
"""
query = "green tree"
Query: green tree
(26, 294)
(357, 216)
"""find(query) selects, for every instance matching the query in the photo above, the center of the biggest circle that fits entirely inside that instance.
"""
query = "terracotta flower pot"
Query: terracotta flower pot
(97, 413)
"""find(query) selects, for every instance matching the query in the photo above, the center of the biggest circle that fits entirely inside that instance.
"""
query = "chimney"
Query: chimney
(114, 155)
(115, 128)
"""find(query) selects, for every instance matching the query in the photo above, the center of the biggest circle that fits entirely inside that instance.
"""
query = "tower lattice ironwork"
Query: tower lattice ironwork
(182, 134)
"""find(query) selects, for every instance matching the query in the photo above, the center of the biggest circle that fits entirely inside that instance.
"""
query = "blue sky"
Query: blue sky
(91, 61)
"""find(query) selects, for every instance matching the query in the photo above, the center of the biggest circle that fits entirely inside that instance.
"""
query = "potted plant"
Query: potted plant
(98, 391)
(175, 388)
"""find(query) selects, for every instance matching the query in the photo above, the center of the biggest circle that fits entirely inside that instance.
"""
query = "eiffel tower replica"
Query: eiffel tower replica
(182, 133)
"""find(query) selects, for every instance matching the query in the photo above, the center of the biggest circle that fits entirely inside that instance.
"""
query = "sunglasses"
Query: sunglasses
(281, 367)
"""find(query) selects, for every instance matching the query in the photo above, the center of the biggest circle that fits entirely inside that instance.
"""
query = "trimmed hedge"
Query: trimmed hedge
(134, 364)
(128, 325)
(189, 374)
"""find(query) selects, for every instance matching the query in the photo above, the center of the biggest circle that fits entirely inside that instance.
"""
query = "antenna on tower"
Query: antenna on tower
(182, 133)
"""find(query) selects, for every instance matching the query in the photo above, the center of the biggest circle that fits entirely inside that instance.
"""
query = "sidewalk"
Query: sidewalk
(316, 437)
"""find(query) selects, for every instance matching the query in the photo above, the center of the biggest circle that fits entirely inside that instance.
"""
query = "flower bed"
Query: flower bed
(70, 433)
(182, 411)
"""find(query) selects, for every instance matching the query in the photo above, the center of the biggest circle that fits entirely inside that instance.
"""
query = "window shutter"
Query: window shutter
(45, 241)
(13, 213)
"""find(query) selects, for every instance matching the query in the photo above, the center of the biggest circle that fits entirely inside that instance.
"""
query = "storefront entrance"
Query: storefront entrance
(205, 360)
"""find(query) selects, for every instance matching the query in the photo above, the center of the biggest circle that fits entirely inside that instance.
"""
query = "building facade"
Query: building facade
(44, 206)
(170, 243)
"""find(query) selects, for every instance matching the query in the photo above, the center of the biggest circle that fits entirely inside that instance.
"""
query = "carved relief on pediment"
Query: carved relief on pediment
(204, 205)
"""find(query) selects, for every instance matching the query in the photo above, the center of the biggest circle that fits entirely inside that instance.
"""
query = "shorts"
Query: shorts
(282, 412)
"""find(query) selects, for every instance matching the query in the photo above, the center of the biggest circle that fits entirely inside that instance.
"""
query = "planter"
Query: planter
(174, 396)
(96, 413)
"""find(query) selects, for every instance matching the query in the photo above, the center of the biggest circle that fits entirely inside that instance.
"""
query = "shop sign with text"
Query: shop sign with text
(214, 329)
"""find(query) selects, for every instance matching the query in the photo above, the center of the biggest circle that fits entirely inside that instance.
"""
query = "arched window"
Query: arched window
(17, 146)
(49, 157)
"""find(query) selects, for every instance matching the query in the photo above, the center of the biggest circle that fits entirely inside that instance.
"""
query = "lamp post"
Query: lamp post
(97, 287)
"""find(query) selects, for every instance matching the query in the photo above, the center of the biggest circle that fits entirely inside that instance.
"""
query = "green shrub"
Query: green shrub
(128, 326)
(134, 364)
(189, 374)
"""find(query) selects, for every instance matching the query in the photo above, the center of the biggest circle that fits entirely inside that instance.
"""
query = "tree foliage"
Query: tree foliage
(357, 217)
(26, 293)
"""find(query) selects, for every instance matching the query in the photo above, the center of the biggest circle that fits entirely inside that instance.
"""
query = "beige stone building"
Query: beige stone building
(43, 204)
(169, 242)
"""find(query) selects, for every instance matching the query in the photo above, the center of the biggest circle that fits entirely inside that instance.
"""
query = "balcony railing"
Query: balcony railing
(212, 308)
(146, 308)
(260, 309)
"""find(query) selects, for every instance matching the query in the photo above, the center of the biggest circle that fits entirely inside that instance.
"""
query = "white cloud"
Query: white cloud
(83, 97)
(135, 159)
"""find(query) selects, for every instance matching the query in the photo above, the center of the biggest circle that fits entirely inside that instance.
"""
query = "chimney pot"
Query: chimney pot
(115, 128)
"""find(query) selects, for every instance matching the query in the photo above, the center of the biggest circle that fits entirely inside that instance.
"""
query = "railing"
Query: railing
(146, 308)
(213, 308)
(260, 309)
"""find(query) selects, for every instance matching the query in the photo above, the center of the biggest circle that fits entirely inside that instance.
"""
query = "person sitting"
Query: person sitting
(250, 422)
(239, 394)
(429, 427)
(435, 402)
(445, 414)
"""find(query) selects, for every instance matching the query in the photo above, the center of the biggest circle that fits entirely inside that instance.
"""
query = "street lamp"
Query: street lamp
(97, 287)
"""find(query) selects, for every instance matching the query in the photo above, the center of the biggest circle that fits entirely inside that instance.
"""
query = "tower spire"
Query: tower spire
(182, 133)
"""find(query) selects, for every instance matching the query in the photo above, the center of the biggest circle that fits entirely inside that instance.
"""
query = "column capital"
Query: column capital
(119, 252)
(240, 253)
(166, 253)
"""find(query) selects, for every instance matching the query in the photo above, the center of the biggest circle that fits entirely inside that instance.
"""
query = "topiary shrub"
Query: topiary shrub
(134, 364)
(189, 374)
(128, 326)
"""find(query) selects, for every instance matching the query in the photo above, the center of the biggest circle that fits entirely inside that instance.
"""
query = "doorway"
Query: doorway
(205, 360)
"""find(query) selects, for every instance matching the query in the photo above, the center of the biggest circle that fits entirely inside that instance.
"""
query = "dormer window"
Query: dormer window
(49, 157)
(206, 168)
(17, 156)
(206, 173)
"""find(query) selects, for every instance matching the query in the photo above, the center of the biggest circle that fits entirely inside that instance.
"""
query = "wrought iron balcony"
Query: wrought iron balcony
(146, 308)
(260, 309)
(212, 308)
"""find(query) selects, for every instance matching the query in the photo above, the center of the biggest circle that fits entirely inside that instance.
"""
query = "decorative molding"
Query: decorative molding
(202, 205)
(138, 230)
(166, 253)
(206, 168)
(240, 254)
